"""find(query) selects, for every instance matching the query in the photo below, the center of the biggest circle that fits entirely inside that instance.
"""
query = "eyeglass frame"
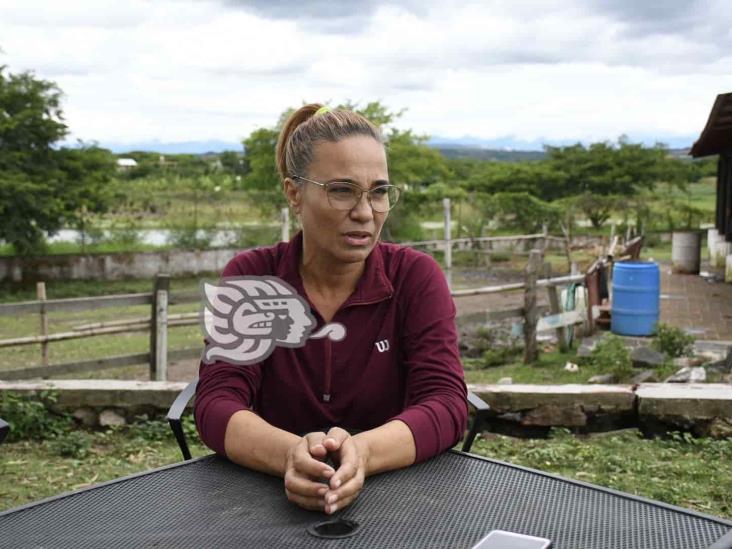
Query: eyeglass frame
(367, 191)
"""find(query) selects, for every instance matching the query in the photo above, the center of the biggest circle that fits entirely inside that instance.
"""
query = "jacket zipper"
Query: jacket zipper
(328, 368)
(329, 351)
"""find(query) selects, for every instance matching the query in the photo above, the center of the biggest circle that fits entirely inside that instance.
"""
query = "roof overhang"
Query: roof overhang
(717, 134)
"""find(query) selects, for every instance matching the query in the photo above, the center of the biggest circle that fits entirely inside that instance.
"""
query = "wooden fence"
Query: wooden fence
(157, 324)
(160, 321)
(161, 298)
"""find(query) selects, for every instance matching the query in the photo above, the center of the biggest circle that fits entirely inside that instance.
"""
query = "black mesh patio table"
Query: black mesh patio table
(452, 500)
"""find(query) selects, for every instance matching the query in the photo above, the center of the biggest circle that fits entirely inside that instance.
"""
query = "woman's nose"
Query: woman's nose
(362, 210)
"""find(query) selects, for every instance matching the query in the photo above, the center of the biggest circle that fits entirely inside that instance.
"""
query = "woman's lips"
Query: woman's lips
(358, 239)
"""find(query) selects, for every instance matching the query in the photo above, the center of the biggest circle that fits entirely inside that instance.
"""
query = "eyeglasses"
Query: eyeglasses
(344, 195)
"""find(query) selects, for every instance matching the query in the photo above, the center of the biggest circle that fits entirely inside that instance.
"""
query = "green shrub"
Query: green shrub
(612, 357)
(496, 348)
(154, 430)
(673, 341)
(74, 444)
(500, 257)
(30, 418)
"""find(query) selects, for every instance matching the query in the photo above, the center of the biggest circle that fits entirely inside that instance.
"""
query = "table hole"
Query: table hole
(334, 529)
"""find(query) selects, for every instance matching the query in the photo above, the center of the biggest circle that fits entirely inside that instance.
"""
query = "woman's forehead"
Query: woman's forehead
(352, 158)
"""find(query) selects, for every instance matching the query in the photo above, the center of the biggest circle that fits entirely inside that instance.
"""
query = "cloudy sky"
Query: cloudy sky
(500, 71)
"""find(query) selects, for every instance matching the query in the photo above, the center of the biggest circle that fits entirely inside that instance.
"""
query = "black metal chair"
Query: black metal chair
(176, 410)
(4, 430)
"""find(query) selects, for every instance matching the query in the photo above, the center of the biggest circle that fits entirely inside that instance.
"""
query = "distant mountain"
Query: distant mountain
(466, 151)
(182, 147)
(500, 148)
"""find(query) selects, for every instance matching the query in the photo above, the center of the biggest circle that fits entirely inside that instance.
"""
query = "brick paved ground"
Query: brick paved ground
(692, 302)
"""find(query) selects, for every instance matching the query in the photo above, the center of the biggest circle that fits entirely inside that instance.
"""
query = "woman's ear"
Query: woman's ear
(293, 194)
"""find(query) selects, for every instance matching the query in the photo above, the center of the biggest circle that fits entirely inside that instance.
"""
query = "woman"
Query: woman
(395, 379)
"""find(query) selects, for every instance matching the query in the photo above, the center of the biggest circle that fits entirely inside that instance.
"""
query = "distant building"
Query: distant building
(124, 164)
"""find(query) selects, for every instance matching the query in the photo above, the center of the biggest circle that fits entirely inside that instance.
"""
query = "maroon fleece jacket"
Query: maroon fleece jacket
(399, 359)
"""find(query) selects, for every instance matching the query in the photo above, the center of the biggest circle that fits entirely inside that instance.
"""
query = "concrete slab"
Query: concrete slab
(592, 398)
(103, 393)
(692, 400)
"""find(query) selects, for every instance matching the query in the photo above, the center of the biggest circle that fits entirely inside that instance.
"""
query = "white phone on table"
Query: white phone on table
(500, 539)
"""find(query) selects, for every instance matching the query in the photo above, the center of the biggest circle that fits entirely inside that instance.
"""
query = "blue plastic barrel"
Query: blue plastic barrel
(636, 296)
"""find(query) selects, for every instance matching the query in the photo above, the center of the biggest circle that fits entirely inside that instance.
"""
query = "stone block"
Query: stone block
(128, 396)
(693, 401)
(646, 376)
(85, 416)
(643, 357)
(519, 397)
(109, 418)
(552, 415)
(720, 428)
(602, 379)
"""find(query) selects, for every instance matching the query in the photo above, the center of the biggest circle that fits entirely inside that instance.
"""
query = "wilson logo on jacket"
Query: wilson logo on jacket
(382, 345)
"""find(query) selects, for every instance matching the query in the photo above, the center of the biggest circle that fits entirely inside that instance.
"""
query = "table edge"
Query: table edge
(625, 495)
(125, 478)
(612, 491)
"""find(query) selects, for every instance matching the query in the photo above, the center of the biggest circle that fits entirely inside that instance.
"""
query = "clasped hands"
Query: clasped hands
(306, 469)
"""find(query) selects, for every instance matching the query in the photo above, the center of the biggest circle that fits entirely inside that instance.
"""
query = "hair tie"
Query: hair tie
(322, 110)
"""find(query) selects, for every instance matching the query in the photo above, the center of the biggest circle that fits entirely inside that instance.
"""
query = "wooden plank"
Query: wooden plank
(188, 352)
(488, 289)
(179, 298)
(553, 295)
(73, 367)
(140, 320)
(62, 336)
(75, 304)
(560, 280)
(95, 364)
(560, 320)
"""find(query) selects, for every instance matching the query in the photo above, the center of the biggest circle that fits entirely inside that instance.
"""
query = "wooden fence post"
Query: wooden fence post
(41, 294)
(159, 329)
(544, 239)
(285, 220)
(531, 314)
(448, 240)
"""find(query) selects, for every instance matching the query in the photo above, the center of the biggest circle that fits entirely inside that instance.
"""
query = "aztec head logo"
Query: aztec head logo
(246, 317)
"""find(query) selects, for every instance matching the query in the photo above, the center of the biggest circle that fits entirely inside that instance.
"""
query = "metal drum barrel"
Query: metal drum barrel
(636, 297)
(686, 252)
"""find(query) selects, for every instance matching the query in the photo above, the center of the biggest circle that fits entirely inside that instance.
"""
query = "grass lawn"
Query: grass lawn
(694, 473)
(31, 470)
(684, 471)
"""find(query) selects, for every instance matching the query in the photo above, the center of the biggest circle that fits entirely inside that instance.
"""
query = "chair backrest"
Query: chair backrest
(176, 410)
(4, 430)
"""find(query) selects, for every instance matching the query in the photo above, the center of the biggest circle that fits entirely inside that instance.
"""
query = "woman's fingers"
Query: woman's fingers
(315, 445)
(301, 457)
(343, 496)
(350, 462)
(305, 465)
(304, 486)
(312, 503)
(335, 438)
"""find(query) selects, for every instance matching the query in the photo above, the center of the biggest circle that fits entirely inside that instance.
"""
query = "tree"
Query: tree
(43, 188)
(413, 165)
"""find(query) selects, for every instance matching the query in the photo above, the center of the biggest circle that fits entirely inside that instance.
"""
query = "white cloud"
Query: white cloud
(196, 70)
